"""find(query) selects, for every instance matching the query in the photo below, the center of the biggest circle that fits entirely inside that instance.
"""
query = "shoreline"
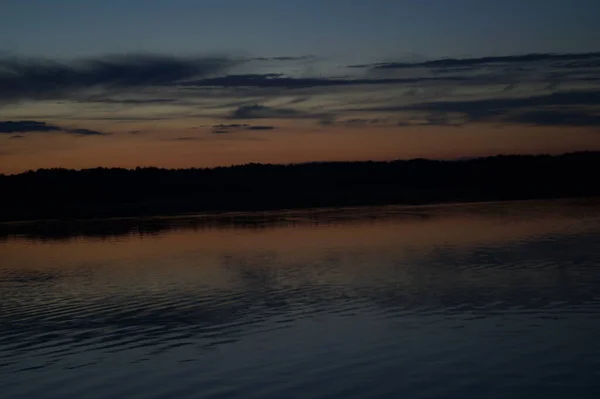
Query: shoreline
(62, 194)
(157, 224)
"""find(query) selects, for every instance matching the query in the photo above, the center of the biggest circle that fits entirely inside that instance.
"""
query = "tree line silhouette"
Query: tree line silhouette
(107, 192)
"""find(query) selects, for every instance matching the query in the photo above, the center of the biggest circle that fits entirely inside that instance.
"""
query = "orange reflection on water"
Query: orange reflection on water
(304, 233)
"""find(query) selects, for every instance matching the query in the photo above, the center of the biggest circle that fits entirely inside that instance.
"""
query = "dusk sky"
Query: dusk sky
(196, 83)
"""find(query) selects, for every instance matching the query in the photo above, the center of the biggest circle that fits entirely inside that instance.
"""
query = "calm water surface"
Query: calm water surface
(461, 301)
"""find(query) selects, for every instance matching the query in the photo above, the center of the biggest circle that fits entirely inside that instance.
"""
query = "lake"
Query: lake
(491, 300)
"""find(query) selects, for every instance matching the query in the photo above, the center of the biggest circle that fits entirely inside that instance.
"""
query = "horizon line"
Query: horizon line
(457, 159)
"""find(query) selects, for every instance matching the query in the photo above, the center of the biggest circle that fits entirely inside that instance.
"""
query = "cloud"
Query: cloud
(26, 127)
(456, 70)
(110, 88)
(231, 126)
(85, 132)
(132, 101)
(355, 122)
(34, 78)
(440, 119)
(360, 121)
(279, 81)
(431, 119)
(220, 129)
(124, 79)
(577, 60)
(10, 127)
(258, 111)
(298, 58)
(186, 138)
(263, 112)
(485, 108)
(573, 108)
(556, 118)
(514, 72)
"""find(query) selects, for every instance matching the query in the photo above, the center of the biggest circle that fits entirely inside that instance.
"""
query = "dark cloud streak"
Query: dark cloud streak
(573, 108)
(11, 127)
(263, 112)
(32, 78)
(277, 81)
(236, 127)
(488, 107)
(472, 62)
(556, 118)
(231, 126)
(297, 58)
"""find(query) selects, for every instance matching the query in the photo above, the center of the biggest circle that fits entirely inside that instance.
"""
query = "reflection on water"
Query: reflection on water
(489, 300)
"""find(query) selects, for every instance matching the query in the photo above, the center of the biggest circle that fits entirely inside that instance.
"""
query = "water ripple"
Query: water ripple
(363, 309)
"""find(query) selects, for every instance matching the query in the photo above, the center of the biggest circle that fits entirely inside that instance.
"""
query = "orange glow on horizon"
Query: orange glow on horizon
(286, 144)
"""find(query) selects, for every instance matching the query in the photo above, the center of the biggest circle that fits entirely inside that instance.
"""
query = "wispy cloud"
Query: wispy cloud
(258, 111)
(284, 58)
(264, 112)
(556, 118)
(572, 60)
(282, 82)
(544, 89)
(131, 101)
(573, 108)
(484, 108)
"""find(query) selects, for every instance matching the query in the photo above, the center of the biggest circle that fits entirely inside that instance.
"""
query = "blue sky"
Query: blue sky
(183, 83)
(336, 28)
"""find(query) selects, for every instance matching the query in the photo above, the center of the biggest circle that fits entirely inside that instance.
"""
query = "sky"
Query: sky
(201, 83)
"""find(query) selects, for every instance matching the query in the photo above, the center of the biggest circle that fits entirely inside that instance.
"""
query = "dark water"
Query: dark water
(467, 301)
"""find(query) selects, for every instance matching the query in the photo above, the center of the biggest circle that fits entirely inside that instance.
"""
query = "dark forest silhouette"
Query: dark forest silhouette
(108, 192)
